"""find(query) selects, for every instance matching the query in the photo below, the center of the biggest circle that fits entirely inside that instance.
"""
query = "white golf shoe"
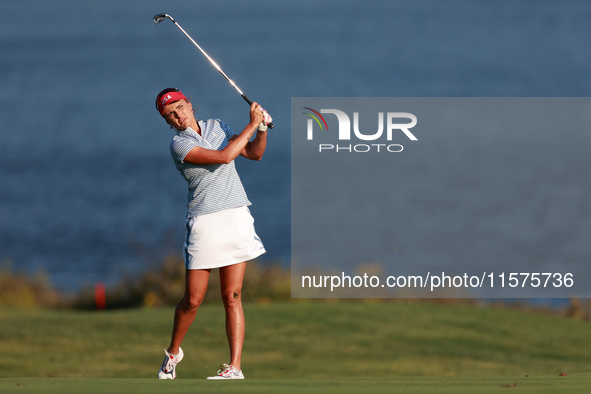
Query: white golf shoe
(227, 372)
(168, 368)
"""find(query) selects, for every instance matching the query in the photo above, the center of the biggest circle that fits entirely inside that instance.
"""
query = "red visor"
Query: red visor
(169, 98)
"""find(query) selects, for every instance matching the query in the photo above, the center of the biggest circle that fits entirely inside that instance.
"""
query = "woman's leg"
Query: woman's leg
(231, 278)
(195, 288)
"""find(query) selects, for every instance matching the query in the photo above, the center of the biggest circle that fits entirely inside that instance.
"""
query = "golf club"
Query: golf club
(160, 17)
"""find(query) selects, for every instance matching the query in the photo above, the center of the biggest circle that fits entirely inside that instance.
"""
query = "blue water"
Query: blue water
(88, 190)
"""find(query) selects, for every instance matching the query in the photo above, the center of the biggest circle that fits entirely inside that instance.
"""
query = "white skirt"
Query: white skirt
(220, 239)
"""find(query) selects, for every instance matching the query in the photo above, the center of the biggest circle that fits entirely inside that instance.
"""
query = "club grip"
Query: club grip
(246, 99)
(270, 125)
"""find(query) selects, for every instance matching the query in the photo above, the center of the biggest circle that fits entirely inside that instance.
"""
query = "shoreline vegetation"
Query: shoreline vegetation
(163, 286)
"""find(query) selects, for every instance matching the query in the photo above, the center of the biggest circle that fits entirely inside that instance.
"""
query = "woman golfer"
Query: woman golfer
(220, 231)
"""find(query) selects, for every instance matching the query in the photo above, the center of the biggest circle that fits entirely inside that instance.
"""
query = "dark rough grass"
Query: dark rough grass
(299, 340)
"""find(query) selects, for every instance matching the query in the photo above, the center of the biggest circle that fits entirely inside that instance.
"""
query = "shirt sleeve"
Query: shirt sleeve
(229, 132)
(179, 147)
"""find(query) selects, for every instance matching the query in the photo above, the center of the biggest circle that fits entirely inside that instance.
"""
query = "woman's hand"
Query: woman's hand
(256, 114)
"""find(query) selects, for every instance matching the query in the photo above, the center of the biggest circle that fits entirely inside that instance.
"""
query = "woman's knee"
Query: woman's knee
(195, 288)
(190, 303)
(232, 298)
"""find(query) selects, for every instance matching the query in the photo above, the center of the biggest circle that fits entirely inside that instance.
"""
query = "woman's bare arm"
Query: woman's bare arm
(237, 145)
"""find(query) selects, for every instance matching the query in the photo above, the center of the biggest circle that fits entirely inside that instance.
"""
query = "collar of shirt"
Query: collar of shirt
(190, 131)
(209, 136)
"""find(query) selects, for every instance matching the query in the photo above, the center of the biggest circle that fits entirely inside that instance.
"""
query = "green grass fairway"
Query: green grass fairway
(578, 383)
(296, 346)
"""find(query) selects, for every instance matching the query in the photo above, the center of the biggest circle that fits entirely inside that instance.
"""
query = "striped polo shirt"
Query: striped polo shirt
(212, 187)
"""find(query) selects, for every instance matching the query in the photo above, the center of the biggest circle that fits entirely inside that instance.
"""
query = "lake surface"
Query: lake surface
(88, 190)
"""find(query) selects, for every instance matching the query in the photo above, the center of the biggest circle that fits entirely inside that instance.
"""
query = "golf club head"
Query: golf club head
(160, 17)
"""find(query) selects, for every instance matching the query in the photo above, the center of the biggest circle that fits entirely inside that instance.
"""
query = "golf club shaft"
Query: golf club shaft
(160, 17)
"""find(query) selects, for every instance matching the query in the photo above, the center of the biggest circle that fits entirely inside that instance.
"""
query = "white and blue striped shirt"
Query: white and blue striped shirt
(212, 187)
